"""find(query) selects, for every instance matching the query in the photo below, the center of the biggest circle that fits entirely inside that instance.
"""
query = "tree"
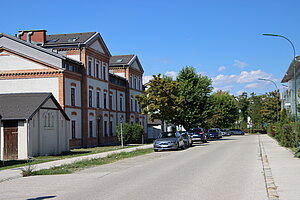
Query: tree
(224, 110)
(255, 108)
(269, 107)
(243, 105)
(161, 99)
(195, 90)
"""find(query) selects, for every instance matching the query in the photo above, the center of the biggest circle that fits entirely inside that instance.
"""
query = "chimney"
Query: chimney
(34, 36)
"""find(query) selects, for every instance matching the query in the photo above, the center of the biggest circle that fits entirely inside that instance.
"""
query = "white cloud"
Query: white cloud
(240, 92)
(240, 64)
(251, 76)
(252, 85)
(146, 79)
(243, 77)
(224, 88)
(172, 74)
(221, 68)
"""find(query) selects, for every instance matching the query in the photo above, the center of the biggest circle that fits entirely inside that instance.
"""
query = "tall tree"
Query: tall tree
(243, 104)
(269, 107)
(161, 99)
(255, 108)
(194, 89)
(224, 110)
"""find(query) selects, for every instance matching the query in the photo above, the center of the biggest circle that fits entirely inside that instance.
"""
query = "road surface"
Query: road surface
(227, 169)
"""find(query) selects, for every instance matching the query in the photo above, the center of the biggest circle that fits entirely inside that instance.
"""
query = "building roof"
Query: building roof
(71, 38)
(121, 60)
(38, 48)
(289, 75)
(23, 106)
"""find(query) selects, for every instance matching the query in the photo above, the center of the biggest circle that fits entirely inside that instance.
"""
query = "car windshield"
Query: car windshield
(212, 130)
(197, 130)
(167, 135)
(224, 130)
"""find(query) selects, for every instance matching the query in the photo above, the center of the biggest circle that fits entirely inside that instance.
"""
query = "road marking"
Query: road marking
(269, 180)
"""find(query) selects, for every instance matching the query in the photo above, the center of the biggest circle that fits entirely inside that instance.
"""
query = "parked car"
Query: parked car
(237, 132)
(197, 134)
(225, 132)
(169, 141)
(214, 133)
(188, 142)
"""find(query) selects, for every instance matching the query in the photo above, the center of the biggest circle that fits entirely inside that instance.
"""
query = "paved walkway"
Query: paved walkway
(285, 169)
(9, 174)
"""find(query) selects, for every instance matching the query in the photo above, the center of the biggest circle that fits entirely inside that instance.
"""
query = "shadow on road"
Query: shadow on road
(41, 198)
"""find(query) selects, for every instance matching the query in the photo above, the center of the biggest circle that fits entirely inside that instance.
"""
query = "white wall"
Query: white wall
(30, 85)
(10, 62)
(78, 119)
(22, 140)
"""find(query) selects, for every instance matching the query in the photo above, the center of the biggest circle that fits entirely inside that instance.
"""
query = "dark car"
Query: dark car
(188, 142)
(237, 132)
(169, 141)
(214, 133)
(197, 134)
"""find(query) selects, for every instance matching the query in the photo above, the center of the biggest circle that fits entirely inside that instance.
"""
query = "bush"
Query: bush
(131, 133)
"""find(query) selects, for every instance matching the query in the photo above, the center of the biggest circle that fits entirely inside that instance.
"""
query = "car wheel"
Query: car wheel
(156, 150)
(183, 147)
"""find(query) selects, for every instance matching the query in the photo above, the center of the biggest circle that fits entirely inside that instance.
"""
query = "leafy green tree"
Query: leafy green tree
(195, 90)
(269, 107)
(255, 108)
(161, 99)
(224, 110)
(243, 105)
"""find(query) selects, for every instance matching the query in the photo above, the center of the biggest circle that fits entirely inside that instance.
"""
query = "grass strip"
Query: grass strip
(70, 154)
(80, 165)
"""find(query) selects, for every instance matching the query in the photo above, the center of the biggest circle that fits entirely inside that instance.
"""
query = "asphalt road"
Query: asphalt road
(227, 169)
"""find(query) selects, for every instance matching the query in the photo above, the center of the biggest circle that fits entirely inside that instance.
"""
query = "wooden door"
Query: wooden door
(10, 140)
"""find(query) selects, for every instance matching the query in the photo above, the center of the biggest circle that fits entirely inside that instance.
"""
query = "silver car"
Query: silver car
(169, 141)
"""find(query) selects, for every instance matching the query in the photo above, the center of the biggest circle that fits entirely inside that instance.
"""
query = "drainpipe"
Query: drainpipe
(82, 109)
(19, 35)
(29, 34)
(27, 123)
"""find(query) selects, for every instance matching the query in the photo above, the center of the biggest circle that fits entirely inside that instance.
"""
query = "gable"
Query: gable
(97, 46)
(10, 61)
(136, 65)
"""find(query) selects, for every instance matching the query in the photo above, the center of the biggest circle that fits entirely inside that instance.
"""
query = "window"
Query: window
(72, 96)
(91, 129)
(111, 128)
(131, 81)
(73, 129)
(104, 100)
(131, 105)
(98, 99)
(90, 98)
(90, 67)
(135, 85)
(139, 86)
(105, 128)
(104, 72)
(135, 106)
(110, 102)
(97, 70)
(121, 104)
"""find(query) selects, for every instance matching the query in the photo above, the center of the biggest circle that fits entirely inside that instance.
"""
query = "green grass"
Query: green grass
(72, 153)
(70, 168)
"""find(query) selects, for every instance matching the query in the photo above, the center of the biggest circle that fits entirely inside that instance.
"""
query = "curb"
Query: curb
(269, 180)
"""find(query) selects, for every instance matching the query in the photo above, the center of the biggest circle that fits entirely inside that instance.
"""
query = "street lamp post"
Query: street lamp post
(295, 82)
(277, 99)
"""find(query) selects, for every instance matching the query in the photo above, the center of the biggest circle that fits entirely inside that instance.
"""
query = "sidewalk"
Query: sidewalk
(285, 169)
(9, 174)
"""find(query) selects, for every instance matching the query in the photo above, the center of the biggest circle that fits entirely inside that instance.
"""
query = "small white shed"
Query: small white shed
(32, 124)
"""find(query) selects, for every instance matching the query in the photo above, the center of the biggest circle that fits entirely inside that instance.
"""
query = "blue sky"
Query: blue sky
(221, 39)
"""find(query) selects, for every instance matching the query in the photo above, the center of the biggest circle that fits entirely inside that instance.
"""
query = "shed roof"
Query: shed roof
(22, 106)
(121, 60)
(70, 38)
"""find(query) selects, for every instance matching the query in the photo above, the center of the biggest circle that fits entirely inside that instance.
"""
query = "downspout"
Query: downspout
(29, 34)
(82, 109)
(27, 123)
(19, 35)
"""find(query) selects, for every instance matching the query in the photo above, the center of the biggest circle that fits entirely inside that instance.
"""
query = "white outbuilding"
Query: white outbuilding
(32, 124)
